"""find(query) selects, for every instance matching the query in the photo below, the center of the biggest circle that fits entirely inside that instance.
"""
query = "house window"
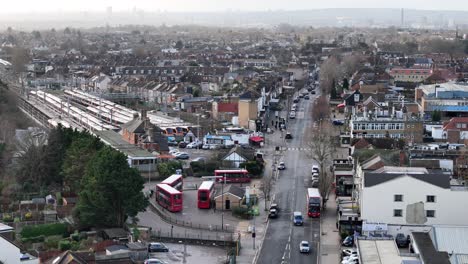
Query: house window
(463, 125)
(430, 199)
(430, 213)
(398, 198)
(397, 213)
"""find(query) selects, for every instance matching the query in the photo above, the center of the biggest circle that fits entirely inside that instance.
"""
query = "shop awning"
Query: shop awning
(256, 139)
(341, 105)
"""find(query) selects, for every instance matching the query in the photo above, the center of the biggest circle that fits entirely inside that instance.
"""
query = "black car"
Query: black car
(182, 145)
(313, 92)
(288, 136)
(157, 247)
(337, 122)
(273, 213)
(306, 97)
(401, 240)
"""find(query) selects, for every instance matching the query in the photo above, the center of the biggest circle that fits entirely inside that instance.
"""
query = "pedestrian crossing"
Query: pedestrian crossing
(298, 149)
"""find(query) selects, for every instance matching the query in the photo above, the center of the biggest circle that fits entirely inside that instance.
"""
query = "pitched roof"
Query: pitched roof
(427, 251)
(69, 257)
(452, 124)
(438, 179)
(361, 144)
(373, 163)
(234, 190)
(249, 94)
(135, 125)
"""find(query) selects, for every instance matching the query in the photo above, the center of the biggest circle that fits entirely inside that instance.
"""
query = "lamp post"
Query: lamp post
(222, 195)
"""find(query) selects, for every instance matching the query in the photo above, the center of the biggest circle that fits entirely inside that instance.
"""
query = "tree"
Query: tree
(179, 45)
(328, 72)
(345, 84)
(436, 115)
(20, 57)
(67, 31)
(77, 156)
(111, 191)
(322, 147)
(321, 109)
(196, 92)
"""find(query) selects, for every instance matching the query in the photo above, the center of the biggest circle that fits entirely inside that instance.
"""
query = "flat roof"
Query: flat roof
(206, 185)
(116, 141)
(172, 178)
(168, 189)
(5, 228)
(378, 251)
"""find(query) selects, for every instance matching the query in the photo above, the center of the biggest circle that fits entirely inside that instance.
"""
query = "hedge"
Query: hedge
(45, 230)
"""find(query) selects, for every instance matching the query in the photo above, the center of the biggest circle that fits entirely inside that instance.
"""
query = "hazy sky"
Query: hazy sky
(14, 6)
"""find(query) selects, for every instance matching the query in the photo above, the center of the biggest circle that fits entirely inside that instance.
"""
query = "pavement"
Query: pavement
(330, 240)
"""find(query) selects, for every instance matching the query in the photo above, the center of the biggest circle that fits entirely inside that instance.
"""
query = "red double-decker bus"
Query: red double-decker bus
(206, 193)
(176, 181)
(233, 176)
(169, 198)
(314, 202)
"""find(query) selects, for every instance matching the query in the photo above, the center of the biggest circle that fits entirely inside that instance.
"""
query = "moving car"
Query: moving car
(288, 135)
(292, 115)
(348, 241)
(182, 155)
(157, 247)
(304, 247)
(281, 166)
(298, 219)
(274, 206)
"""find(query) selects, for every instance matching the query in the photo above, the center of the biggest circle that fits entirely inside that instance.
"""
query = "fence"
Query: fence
(174, 221)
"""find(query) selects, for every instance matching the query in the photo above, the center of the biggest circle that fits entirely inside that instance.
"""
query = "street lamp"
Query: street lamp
(222, 195)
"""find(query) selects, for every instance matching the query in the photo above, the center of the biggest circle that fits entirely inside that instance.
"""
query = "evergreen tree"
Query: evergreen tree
(111, 191)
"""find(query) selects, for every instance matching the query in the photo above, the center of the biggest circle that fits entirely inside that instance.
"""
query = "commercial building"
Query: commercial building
(449, 98)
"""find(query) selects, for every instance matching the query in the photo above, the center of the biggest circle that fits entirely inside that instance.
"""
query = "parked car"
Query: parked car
(307, 97)
(296, 100)
(281, 166)
(288, 135)
(348, 241)
(315, 183)
(348, 252)
(206, 146)
(350, 259)
(172, 143)
(273, 213)
(193, 145)
(154, 261)
(274, 206)
(315, 169)
(182, 144)
(312, 92)
(337, 122)
(198, 159)
(157, 247)
(173, 151)
(182, 155)
(298, 219)
(304, 247)
(401, 240)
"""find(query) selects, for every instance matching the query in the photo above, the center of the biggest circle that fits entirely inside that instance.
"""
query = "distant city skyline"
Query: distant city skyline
(27, 6)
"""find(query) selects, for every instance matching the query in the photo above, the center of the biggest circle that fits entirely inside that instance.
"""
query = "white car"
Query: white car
(292, 115)
(281, 166)
(315, 169)
(174, 152)
(193, 145)
(348, 252)
(304, 247)
(351, 259)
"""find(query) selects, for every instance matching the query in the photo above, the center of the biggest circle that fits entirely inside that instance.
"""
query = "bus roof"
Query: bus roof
(206, 185)
(313, 192)
(168, 189)
(227, 171)
(171, 179)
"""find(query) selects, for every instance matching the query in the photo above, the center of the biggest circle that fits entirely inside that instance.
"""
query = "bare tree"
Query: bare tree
(349, 65)
(328, 73)
(321, 109)
(267, 186)
(322, 147)
(19, 59)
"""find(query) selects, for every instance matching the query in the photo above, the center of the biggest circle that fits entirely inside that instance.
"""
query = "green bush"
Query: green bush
(253, 167)
(168, 168)
(64, 245)
(7, 218)
(75, 246)
(75, 236)
(45, 230)
(241, 212)
(52, 241)
(204, 168)
(36, 239)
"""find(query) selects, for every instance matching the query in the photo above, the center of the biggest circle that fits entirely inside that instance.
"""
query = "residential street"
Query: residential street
(281, 244)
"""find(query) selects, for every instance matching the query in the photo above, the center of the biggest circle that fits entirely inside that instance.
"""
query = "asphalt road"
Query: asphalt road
(281, 244)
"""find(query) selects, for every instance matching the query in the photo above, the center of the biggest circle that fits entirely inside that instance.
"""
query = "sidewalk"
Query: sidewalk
(330, 239)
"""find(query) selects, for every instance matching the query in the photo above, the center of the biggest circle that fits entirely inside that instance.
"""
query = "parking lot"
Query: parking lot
(194, 254)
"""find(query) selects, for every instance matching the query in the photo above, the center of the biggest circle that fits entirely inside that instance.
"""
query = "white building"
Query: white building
(410, 199)
(11, 253)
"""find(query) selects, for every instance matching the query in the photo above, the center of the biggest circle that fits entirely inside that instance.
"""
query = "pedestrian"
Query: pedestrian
(272, 122)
